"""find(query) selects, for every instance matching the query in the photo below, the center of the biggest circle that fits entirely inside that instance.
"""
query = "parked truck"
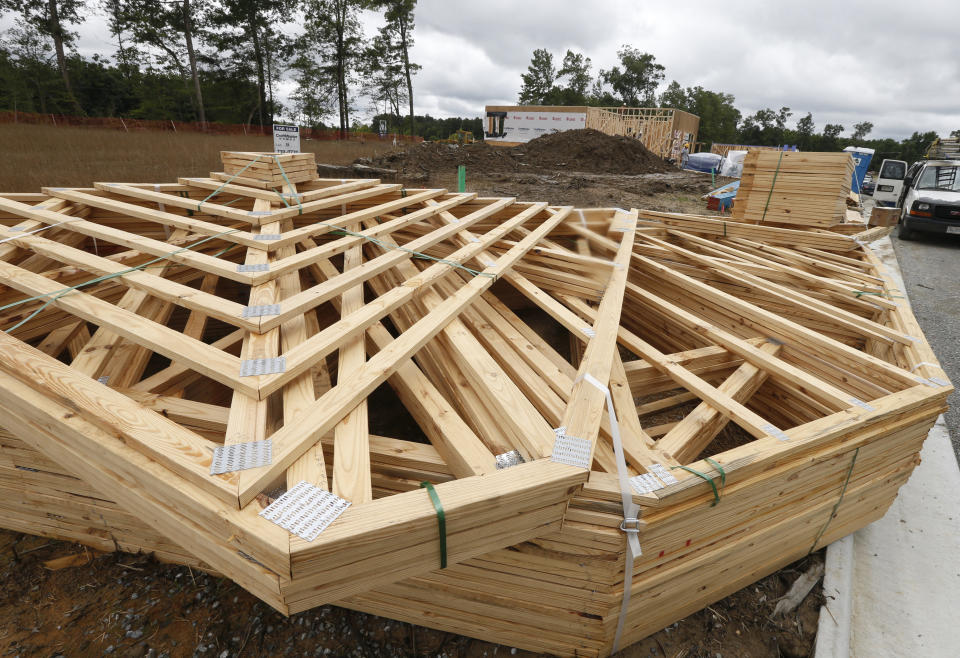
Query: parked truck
(930, 195)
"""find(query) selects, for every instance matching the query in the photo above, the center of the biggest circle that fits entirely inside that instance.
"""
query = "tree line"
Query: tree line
(634, 82)
(198, 60)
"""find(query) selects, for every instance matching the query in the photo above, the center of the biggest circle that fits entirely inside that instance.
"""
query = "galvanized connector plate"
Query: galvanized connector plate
(241, 456)
(663, 473)
(260, 311)
(571, 450)
(254, 367)
(645, 483)
(508, 459)
(305, 510)
(258, 267)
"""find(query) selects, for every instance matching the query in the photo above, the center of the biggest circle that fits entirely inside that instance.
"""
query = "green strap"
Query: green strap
(225, 183)
(57, 294)
(339, 230)
(713, 485)
(186, 195)
(833, 512)
(441, 521)
(289, 184)
(860, 293)
(719, 468)
(772, 184)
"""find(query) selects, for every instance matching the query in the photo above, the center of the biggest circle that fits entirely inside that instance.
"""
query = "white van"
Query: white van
(890, 182)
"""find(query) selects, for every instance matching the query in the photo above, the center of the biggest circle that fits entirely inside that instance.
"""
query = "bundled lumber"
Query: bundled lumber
(172, 389)
(794, 188)
(273, 169)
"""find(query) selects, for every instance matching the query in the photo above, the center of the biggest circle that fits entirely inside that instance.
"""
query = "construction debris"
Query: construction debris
(598, 420)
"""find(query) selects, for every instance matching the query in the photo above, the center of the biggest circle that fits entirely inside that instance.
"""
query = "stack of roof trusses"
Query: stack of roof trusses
(259, 380)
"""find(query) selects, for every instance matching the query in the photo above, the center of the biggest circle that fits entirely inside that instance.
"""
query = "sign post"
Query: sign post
(286, 139)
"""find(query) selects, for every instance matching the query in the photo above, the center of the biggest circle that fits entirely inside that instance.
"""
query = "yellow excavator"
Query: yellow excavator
(459, 137)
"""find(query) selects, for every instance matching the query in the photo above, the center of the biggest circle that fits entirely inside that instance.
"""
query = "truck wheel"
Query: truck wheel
(905, 232)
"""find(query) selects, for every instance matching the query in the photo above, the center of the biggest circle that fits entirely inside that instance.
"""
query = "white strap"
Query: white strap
(630, 523)
(42, 228)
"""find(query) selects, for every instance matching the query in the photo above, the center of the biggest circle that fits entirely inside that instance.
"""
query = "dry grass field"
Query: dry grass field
(35, 156)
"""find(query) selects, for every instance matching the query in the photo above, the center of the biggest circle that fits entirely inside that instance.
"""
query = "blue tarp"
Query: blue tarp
(703, 162)
(724, 195)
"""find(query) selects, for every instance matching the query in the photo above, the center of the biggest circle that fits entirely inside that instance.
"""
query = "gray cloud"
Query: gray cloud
(892, 63)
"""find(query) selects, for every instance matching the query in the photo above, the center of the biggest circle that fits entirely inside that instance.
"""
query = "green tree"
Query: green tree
(152, 22)
(539, 78)
(861, 130)
(127, 58)
(805, 132)
(27, 61)
(52, 19)
(914, 147)
(576, 73)
(636, 82)
(331, 47)
(767, 127)
(246, 31)
(674, 96)
(718, 116)
(398, 35)
(829, 139)
(383, 72)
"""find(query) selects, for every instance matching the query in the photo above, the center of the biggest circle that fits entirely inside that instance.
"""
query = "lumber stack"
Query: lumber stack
(273, 169)
(769, 393)
(794, 188)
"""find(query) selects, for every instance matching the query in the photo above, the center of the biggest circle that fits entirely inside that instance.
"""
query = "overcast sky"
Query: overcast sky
(896, 64)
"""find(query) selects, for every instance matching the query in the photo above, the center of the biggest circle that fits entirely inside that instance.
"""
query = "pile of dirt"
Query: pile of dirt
(591, 151)
(586, 151)
(433, 157)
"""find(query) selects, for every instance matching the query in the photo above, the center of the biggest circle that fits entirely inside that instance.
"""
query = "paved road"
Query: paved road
(931, 272)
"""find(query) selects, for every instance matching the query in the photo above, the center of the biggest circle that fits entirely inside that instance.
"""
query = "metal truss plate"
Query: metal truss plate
(260, 311)
(663, 473)
(508, 459)
(254, 367)
(571, 450)
(305, 510)
(241, 456)
(645, 483)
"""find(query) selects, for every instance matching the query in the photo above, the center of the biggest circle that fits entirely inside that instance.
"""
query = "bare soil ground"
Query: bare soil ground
(127, 605)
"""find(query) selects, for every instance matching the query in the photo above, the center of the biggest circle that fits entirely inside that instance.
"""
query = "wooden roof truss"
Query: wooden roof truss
(132, 314)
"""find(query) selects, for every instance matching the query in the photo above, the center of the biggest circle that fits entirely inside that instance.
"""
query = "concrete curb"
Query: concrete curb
(833, 629)
(893, 588)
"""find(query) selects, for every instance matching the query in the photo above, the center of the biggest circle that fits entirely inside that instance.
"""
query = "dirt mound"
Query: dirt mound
(432, 157)
(591, 151)
(587, 151)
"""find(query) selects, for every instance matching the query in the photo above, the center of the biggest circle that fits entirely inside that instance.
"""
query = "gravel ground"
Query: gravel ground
(931, 272)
